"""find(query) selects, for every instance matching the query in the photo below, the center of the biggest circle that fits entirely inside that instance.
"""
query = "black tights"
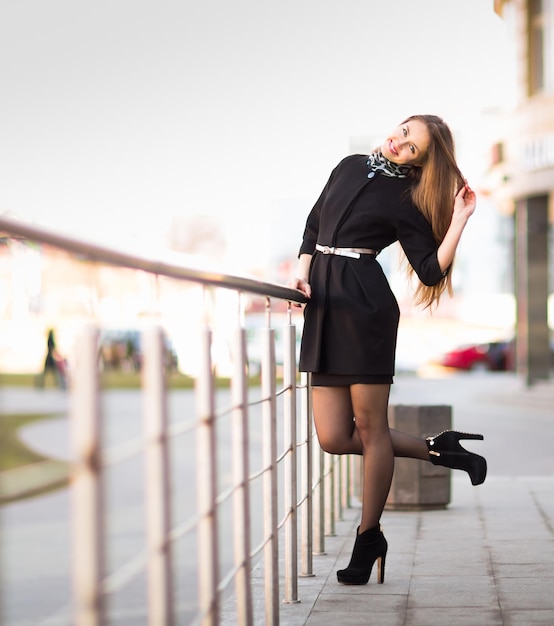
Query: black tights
(367, 434)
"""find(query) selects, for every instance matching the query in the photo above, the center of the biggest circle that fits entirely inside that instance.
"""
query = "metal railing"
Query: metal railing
(303, 489)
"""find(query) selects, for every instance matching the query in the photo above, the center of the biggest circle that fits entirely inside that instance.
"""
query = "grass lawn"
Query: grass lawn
(115, 379)
(13, 452)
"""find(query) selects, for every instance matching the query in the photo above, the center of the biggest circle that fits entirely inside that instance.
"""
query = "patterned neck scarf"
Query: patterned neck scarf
(377, 162)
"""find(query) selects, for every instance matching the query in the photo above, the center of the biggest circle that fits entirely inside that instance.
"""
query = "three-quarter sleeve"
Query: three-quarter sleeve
(418, 242)
(311, 230)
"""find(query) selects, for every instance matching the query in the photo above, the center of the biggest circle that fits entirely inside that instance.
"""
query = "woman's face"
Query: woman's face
(407, 144)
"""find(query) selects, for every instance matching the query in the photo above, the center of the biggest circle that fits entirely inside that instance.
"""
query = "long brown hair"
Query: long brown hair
(436, 180)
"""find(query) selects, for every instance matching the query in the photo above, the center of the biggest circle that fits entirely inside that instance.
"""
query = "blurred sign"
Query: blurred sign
(537, 153)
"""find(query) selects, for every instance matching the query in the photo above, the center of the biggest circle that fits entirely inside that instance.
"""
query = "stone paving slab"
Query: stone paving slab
(451, 567)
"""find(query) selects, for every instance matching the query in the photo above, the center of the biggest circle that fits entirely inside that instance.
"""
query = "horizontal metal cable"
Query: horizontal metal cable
(255, 475)
(224, 582)
(225, 495)
(181, 428)
(118, 579)
(184, 527)
(302, 500)
(284, 519)
(123, 452)
(283, 454)
(317, 483)
(260, 547)
(127, 450)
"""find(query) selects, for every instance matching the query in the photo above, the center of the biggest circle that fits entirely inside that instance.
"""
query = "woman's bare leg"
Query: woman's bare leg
(336, 429)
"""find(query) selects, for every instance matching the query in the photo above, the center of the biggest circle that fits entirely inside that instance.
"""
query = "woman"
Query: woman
(53, 362)
(409, 190)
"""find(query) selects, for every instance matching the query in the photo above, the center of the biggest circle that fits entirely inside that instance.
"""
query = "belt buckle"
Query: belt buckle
(327, 250)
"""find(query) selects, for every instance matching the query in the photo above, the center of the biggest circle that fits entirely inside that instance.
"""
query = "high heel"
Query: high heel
(445, 449)
(369, 547)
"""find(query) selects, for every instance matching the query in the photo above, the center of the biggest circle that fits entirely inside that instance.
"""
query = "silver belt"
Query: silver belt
(353, 253)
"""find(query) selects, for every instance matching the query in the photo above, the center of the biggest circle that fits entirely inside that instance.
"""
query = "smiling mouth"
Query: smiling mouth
(392, 148)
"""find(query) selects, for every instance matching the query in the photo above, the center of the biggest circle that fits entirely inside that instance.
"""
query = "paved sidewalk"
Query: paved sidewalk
(487, 560)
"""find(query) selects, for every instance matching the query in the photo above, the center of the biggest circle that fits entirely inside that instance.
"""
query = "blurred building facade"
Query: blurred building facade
(521, 177)
(43, 288)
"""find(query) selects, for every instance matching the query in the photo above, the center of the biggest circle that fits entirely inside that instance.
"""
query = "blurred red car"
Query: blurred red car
(492, 356)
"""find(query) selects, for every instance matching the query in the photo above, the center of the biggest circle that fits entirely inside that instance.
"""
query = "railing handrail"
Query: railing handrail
(159, 265)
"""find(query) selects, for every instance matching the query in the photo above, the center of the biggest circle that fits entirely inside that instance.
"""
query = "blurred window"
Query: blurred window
(536, 33)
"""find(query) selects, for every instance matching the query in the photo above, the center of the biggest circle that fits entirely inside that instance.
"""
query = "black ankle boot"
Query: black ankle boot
(369, 547)
(445, 449)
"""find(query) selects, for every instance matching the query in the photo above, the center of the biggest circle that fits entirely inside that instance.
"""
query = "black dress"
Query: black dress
(351, 320)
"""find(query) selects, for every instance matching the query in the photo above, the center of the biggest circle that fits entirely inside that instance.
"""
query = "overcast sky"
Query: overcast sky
(117, 115)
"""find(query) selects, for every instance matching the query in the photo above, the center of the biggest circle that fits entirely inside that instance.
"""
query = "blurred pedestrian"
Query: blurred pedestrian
(54, 363)
(408, 190)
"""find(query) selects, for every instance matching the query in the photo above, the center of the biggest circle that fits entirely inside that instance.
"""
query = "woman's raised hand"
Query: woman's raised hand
(464, 206)
(464, 203)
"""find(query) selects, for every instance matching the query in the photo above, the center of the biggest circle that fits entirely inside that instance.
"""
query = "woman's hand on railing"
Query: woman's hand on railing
(300, 285)
(300, 281)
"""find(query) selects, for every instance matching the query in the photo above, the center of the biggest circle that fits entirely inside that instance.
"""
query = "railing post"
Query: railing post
(86, 487)
(356, 468)
(319, 498)
(271, 521)
(208, 543)
(241, 499)
(345, 482)
(158, 517)
(291, 489)
(329, 487)
(338, 481)
(306, 566)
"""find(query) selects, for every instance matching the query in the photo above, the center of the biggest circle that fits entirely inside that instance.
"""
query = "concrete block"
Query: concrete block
(417, 485)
